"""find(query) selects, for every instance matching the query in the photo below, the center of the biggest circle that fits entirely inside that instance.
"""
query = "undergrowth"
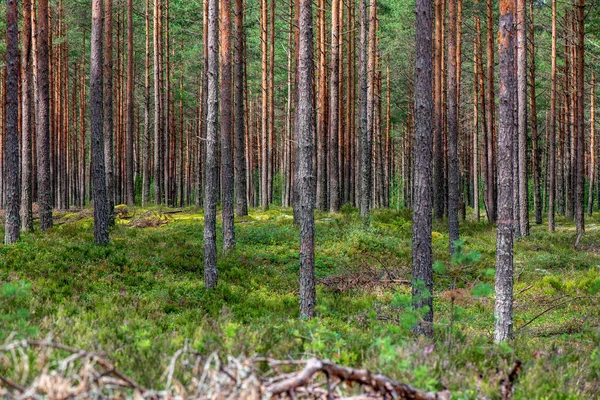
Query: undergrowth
(142, 297)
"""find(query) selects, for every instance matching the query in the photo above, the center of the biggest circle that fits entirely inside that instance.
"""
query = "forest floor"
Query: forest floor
(142, 297)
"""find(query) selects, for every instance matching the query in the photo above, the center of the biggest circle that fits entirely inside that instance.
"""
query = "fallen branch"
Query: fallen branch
(379, 383)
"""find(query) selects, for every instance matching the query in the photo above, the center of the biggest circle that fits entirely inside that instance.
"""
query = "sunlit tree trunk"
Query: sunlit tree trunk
(26, 119)
(580, 122)
(522, 116)
(12, 222)
(108, 123)
(490, 187)
(503, 310)
(146, 145)
(552, 128)
(452, 126)
(535, 155)
(239, 117)
(592, 146)
(333, 148)
(130, 116)
(101, 202)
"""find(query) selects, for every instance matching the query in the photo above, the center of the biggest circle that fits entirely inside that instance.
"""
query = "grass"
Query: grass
(142, 296)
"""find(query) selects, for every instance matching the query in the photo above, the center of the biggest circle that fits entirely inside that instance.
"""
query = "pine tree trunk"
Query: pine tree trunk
(592, 146)
(422, 272)
(491, 197)
(42, 122)
(226, 117)
(26, 119)
(240, 128)
(264, 188)
(334, 179)
(365, 142)
(101, 202)
(322, 132)
(580, 123)
(146, 145)
(304, 179)
(211, 187)
(522, 116)
(453, 166)
(503, 310)
(552, 130)
(108, 122)
(535, 155)
(438, 140)
(12, 222)
(158, 140)
(130, 116)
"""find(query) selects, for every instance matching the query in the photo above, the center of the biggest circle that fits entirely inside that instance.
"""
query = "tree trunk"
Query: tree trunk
(334, 178)
(592, 146)
(535, 155)
(453, 167)
(552, 130)
(422, 273)
(264, 184)
(12, 222)
(101, 202)
(42, 122)
(322, 110)
(226, 125)
(438, 140)
(211, 187)
(240, 143)
(580, 122)
(108, 122)
(503, 310)
(365, 142)
(491, 198)
(146, 155)
(130, 117)
(522, 116)
(26, 119)
(304, 179)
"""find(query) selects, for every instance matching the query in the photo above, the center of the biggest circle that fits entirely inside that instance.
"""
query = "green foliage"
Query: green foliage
(14, 303)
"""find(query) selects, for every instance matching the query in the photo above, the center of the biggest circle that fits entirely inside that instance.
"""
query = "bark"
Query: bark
(438, 140)
(130, 183)
(322, 110)
(422, 272)
(108, 122)
(240, 128)
(491, 196)
(264, 192)
(476, 119)
(453, 166)
(42, 122)
(304, 179)
(158, 142)
(26, 119)
(12, 222)
(503, 310)
(226, 119)
(365, 141)
(580, 123)
(334, 103)
(592, 146)
(552, 126)
(522, 116)
(211, 187)
(101, 202)
(535, 155)
(146, 155)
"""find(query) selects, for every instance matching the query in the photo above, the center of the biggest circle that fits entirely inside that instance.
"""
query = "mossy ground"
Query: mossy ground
(139, 298)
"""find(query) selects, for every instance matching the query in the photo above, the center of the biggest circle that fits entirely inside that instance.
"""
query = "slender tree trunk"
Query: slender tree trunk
(491, 198)
(130, 116)
(226, 118)
(108, 123)
(26, 119)
(101, 202)
(334, 101)
(552, 126)
(212, 167)
(304, 178)
(580, 138)
(240, 143)
(522, 116)
(453, 166)
(146, 155)
(476, 120)
(422, 273)
(12, 222)
(438, 140)
(365, 142)
(42, 122)
(592, 146)
(264, 192)
(322, 110)
(535, 155)
(503, 310)
(158, 142)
